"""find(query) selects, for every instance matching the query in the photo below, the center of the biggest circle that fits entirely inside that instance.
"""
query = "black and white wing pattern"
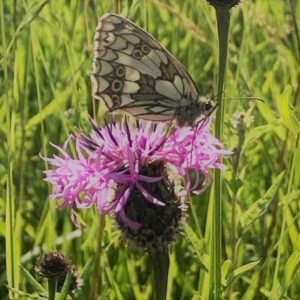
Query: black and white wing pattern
(134, 73)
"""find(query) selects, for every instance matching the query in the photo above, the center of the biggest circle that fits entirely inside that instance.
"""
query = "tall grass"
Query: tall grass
(223, 24)
(45, 92)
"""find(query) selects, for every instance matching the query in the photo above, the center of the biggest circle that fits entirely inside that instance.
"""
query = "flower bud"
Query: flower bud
(55, 266)
(223, 4)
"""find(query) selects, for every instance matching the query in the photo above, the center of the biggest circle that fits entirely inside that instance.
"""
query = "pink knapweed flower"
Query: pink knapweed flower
(124, 159)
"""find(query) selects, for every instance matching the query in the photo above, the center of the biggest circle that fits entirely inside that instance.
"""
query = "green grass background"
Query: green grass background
(45, 91)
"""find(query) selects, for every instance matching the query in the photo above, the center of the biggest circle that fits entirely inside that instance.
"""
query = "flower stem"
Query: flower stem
(160, 263)
(96, 282)
(51, 288)
(117, 5)
(223, 21)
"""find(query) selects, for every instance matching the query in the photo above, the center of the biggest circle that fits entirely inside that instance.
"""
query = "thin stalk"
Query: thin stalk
(51, 288)
(11, 242)
(160, 262)
(146, 15)
(117, 6)
(235, 176)
(281, 245)
(293, 13)
(96, 282)
(9, 226)
(223, 21)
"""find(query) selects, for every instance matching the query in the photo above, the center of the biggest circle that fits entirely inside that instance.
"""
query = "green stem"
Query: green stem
(294, 17)
(51, 288)
(235, 176)
(117, 5)
(160, 263)
(96, 282)
(223, 21)
(11, 239)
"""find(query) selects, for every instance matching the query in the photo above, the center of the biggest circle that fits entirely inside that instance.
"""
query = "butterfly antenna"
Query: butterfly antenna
(217, 95)
(236, 98)
(245, 98)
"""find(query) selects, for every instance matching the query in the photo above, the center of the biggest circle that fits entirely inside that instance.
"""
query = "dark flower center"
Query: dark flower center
(159, 224)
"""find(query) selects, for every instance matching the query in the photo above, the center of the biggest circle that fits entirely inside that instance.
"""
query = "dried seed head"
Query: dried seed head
(223, 4)
(241, 120)
(160, 225)
(55, 265)
(52, 265)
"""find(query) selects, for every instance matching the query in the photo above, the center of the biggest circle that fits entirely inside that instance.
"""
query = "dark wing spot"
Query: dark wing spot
(145, 48)
(116, 101)
(137, 53)
(120, 71)
(116, 85)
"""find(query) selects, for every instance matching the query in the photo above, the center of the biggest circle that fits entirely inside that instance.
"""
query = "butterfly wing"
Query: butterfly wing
(134, 73)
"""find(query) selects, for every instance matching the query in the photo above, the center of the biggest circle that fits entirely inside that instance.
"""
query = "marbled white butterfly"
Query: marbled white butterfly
(134, 73)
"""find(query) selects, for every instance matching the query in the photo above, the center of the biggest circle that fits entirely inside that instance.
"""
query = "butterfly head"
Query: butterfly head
(189, 114)
(206, 106)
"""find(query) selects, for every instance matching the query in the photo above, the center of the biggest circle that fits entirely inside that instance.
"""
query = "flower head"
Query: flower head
(131, 160)
(54, 265)
(223, 4)
(241, 120)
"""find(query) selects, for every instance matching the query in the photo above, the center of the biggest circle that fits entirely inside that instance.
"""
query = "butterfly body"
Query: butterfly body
(132, 72)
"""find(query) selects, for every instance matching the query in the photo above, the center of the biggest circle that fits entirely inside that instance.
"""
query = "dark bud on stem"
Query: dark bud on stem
(55, 266)
(223, 4)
